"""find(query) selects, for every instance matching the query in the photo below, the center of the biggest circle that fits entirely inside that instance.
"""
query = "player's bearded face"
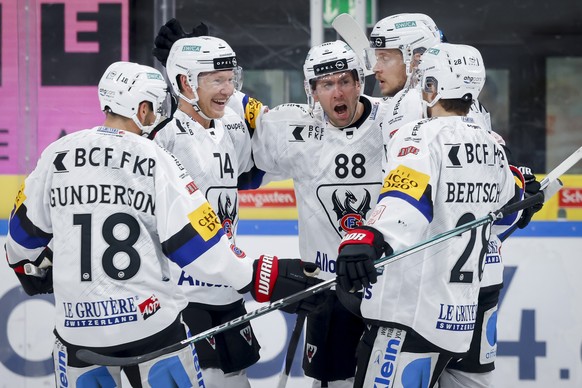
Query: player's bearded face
(338, 95)
(214, 91)
(390, 71)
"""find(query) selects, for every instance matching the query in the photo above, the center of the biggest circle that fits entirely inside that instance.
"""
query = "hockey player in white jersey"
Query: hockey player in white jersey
(213, 143)
(116, 208)
(331, 148)
(403, 38)
(442, 172)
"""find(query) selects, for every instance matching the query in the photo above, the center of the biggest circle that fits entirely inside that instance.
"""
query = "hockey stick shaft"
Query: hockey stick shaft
(100, 359)
(291, 349)
(551, 188)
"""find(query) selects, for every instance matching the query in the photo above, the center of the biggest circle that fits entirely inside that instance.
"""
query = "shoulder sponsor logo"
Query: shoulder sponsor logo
(20, 198)
(406, 180)
(408, 150)
(191, 187)
(205, 221)
(570, 197)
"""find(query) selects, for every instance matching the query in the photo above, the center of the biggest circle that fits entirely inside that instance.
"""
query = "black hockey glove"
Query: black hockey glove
(171, 32)
(357, 253)
(34, 285)
(532, 187)
(41, 280)
(275, 278)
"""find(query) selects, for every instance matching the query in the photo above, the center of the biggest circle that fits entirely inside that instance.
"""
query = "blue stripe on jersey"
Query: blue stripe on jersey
(26, 234)
(424, 205)
(193, 248)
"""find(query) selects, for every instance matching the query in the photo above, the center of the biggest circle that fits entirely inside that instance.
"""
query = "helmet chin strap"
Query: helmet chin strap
(146, 129)
(426, 105)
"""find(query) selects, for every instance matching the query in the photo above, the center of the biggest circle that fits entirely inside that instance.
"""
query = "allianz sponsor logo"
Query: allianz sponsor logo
(100, 313)
(457, 317)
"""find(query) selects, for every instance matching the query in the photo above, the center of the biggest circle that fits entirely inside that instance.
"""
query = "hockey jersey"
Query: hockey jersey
(336, 172)
(214, 158)
(405, 107)
(115, 207)
(440, 173)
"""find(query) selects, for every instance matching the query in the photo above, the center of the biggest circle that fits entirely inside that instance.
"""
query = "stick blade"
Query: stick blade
(349, 29)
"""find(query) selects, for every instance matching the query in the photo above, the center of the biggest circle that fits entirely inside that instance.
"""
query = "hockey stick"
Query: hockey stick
(552, 187)
(349, 29)
(291, 349)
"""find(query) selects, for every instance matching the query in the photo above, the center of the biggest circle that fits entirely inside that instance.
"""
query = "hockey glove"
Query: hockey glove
(357, 253)
(275, 278)
(39, 281)
(532, 187)
(171, 32)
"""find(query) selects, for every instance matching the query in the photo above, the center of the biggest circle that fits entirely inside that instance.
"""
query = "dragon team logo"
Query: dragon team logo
(347, 206)
(227, 212)
(310, 351)
(349, 213)
(247, 335)
(211, 341)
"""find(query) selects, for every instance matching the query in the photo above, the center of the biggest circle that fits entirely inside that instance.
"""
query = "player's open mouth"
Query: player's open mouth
(341, 109)
(220, 102)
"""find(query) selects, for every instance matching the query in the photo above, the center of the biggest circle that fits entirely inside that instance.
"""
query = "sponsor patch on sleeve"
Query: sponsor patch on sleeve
(406, 180)
(20, 198)
(205, 221)
(252, 110)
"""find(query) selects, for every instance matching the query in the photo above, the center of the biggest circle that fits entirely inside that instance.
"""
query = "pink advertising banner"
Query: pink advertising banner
(52, 56)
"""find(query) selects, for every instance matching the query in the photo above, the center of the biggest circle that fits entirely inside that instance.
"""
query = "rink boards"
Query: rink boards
(539, 339)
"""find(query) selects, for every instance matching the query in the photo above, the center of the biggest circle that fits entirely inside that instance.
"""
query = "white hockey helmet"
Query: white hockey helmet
(455, 71)
(329, 58)
(407, 32)
(125, 85)
(201, 54)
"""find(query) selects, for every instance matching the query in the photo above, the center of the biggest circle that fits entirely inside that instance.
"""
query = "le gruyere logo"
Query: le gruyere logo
(20, 197)
(205, 221)
(407, 181)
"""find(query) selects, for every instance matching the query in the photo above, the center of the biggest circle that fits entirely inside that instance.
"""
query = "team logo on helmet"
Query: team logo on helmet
(378, 42)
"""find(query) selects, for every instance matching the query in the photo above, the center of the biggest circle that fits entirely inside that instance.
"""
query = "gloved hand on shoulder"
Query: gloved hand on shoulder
(171, 32)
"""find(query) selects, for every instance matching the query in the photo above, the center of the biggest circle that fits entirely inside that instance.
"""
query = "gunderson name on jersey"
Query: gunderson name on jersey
(102, 194)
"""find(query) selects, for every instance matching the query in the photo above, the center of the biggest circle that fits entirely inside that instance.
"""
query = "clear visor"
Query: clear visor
(428, 84)
(163, 106)
(336, 81)
(370, 58)
(221, 79)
